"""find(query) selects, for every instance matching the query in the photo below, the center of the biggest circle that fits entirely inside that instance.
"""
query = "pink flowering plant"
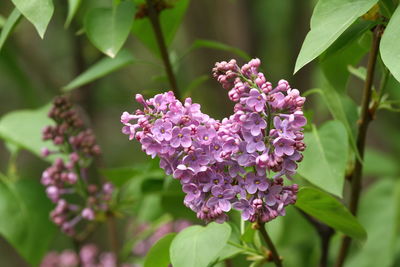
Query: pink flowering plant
(242, 172)
(239, 162)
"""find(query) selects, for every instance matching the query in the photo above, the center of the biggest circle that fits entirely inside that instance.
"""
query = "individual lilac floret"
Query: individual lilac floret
(255, 124)
(246, 208)
(181, 137)
(254, 182)
(212, 159)
(162, 130)
(221, 197)
(256, 100)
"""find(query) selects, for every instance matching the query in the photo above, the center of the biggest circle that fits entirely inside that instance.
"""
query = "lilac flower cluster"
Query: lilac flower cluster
(238, 162)
(89, 256)
(69, 173)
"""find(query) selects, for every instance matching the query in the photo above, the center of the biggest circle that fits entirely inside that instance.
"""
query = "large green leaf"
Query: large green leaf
(170, 19)
(108, 28)
(198, 246)
(158, 255)
(24, 129)
(24, 209)
(345, 51)
(390, 45)
(38, 12)
(343, 109)
(73, 6)
(9, 25)
(325, 158)
(100, 69)
(378, 213)
(329, 20)
(330, 211)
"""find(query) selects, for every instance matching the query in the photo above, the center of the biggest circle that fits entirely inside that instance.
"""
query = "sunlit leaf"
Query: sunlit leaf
(198, 246)
(108, 28)
(329, 20)
(38, 12)
(329, 210)
(24, 129)
(9, 25)
(100, 69)
(325, 159)
(390, 45)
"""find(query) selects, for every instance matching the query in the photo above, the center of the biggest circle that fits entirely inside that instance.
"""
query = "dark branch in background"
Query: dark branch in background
(153, 15)
(274, 253)
(325, 233)
(365, 119)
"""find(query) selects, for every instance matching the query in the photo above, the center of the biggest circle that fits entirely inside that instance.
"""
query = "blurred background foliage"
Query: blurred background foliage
(33, 71)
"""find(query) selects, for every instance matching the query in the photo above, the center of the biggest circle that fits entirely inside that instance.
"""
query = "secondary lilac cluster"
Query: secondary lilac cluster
(238, 162)
(142, 247)
(89, 256)
(69, 173)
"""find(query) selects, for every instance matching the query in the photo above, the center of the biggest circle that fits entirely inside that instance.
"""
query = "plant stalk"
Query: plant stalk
(113, 237)
(155, 22)
(274, 253)
(365, 119)
(325, 234)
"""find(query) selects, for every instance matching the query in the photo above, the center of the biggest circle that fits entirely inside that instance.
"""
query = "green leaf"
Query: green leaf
(343, 109)
(329, 210)
(325, 158)
(346, 50)
(170, 19)
(9, 25)
(25, 211)
(158, 255)
(108, 28)
(100, 69)
(360, 72)
(380, 164)
(329, 20)
(73, 6)
(229, 250)
(38, 12)
(24, 129)
(390, 45)
(198, 246)
(218, 46)
(194, 84)
(378, 213)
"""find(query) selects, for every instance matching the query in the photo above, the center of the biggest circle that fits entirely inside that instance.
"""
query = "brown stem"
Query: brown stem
(274, 253)
(325, 233)
(113, 237)
(155, 22)
(365, 119)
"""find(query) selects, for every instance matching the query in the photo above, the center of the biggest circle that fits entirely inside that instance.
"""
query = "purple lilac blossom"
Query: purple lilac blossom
(209, 157)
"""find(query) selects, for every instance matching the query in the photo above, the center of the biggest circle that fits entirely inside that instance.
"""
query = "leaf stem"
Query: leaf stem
(274, 253)
(365, 119)
(155, 22)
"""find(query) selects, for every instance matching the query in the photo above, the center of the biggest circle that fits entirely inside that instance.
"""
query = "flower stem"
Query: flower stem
(113, 237)
(155, 22)
(365, 119)
(274, 253)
